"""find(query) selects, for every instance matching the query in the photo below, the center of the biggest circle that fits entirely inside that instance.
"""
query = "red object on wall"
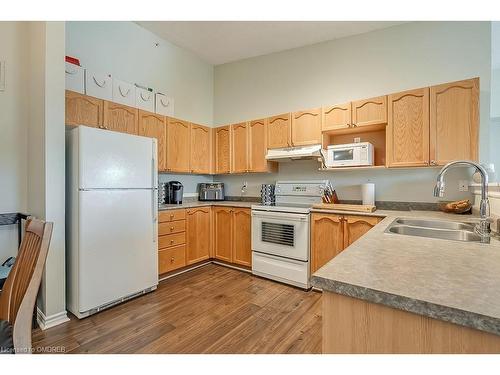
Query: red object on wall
(73, 60)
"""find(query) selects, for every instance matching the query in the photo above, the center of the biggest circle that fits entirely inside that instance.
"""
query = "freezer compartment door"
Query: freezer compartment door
(111, 160)
(118, 251)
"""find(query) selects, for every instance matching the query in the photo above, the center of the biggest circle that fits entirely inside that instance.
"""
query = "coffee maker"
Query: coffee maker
(173, 192)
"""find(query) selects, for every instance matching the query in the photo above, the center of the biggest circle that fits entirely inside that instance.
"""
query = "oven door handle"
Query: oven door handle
(284, 216)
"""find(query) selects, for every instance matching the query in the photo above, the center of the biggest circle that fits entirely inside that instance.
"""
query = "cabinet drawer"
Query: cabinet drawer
(171, 259)
(123, 92)
(75, 78)
(171, 215)
(171, 227)
(164, 105)
(170, 240)
(98, 85)
(144, 99)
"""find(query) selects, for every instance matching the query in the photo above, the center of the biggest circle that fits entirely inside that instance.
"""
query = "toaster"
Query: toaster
(211, 191)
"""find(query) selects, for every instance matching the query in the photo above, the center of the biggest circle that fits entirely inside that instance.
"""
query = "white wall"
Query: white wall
(13, 143)
(408, 56)
(128, 52)
(46, 172)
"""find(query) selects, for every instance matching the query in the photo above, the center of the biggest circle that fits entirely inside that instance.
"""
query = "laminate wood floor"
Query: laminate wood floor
(212, 309)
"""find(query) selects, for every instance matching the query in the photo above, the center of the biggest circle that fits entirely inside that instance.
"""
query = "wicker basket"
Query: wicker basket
(457, 207)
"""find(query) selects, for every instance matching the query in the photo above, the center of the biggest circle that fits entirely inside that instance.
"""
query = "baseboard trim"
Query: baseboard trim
(46, 322)
(231, 266)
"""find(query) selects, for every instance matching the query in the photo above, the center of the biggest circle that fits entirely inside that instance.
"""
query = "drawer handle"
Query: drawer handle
(172, 260)
(171, 228)
(146, 99)
(121, 92)
(171, 216)
(171, 242)
(99, 84)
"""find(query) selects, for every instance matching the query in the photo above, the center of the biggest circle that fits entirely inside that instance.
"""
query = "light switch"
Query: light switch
(2, 75)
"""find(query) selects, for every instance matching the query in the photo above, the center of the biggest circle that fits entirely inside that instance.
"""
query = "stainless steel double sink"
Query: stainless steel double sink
(440, 229)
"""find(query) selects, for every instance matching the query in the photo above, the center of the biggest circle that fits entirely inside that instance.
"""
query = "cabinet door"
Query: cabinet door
(222, 150)
(120, 118)
(154, 126)
(242, 244)
(337, 117)
(239, 147)
(201, 150)
(454, 121)
(198, 236)
(306, 127)
(356, 226)
(257, 146)
(83, 110)
(177, 145)
(327, 238)
(407, 135)
(223, 233)
(279, 130)
(369, 111)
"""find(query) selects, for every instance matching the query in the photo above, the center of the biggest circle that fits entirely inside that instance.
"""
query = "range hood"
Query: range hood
(294, 153)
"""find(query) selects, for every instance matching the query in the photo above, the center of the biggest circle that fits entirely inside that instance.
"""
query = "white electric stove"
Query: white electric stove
(280, 233)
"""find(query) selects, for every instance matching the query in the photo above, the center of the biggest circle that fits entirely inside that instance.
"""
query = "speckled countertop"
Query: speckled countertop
(191, 204)
(452, 281)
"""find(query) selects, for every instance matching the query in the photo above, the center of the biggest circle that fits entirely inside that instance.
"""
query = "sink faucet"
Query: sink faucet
(483, 228)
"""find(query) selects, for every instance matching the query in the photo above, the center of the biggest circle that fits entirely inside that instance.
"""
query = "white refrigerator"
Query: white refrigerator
(111, 218)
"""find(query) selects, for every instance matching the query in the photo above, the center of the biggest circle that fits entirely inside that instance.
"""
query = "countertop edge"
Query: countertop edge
(448, 314)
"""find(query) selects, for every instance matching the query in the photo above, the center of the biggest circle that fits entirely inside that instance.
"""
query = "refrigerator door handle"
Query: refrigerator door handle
(154, 209)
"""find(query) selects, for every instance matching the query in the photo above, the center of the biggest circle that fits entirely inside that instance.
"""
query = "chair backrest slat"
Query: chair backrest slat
(21, 284)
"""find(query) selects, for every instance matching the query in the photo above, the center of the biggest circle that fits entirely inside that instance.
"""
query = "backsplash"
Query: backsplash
(395, 185)
(189, 181)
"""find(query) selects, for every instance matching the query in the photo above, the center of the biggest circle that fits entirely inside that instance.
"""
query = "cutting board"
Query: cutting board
(345, 207)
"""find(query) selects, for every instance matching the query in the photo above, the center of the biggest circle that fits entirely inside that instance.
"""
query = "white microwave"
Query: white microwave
(350, 155)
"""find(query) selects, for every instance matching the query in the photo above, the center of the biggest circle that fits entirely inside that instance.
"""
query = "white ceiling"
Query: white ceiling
(219, 42)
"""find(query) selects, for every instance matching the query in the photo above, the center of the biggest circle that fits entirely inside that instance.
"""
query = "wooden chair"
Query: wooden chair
(18, 297)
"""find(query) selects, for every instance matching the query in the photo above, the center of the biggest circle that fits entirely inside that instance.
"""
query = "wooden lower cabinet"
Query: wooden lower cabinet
(198, 226)
(356, 226)
(327, 238)
(223, 233)
(332, 233)
(242, 241)
(232, 235)
(171, 258)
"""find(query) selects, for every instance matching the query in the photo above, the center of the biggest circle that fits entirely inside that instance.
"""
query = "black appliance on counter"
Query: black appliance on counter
(173, 192)
(213, 191)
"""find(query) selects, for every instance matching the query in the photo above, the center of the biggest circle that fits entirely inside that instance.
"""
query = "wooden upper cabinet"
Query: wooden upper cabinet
(306, 127)
(257, 147)
(336, 117)
(154, 126)
(242, 243)
(120, 118)
(83, 110)
(279, 130)
(327, 238)
(239, 147)
(356, 226)
(369, 111)
(198, 238)
(407, 135)
(201, 149)
(178, 140)
(222, 146)
(454, 121)
(223, 233)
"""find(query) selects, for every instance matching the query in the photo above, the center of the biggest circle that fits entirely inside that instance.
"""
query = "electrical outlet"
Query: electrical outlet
(463, 185)
(2, 75)
(357, 140)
